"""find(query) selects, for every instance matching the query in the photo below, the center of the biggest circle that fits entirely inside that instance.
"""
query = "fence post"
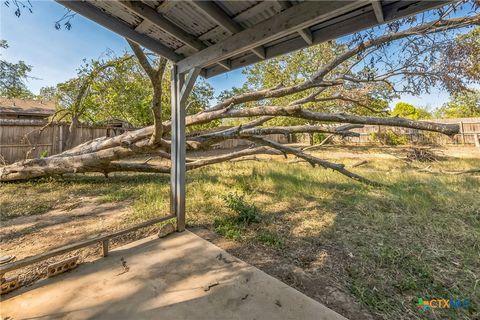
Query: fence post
(60, 138)
(462, 132)
(52, 145)
(477, 140)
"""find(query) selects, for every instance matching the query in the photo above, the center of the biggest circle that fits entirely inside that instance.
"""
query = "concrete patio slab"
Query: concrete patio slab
(181, 276)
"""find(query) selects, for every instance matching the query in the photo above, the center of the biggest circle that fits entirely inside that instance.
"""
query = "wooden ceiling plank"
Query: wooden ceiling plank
(223, 19)
(289, 21)
(160, 21)
(95, 14)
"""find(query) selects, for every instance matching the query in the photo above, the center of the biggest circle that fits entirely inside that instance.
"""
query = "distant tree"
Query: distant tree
(72, 96)
(409, 111)
(117, 87)
(13, 77)
(120, 91)
(463, 104)
(121, 88)
(47, 93)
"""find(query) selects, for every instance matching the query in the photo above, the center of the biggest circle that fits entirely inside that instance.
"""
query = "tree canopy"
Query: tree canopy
(463, 104)
(116, 88)
(409, 111)
(13, 77)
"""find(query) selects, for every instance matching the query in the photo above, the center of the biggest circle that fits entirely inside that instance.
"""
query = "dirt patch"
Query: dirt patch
(83, 219)
(77, 220)
(317, 286)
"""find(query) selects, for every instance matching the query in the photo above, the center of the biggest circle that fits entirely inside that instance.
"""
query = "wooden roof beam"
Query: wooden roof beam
(357, 20)
(284, 23)
(150, 15)
(306, 34)
(95, 14)
(156, 18)
(222, 19)
(226, 64)
(377, 8)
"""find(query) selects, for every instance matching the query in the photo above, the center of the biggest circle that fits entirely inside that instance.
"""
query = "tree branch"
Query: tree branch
(296, 111)
(311, 159)
(142, 59)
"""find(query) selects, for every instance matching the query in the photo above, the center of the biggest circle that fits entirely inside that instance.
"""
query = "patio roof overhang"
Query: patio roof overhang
(212, 37)
(218, 36)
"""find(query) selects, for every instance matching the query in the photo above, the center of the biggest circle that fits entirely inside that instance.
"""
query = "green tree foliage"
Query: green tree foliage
(287, 70)
(74, 97)
(406, 110)
(118, 88)
(462, 105)
(199, 99)
(295, 68)
(47, 93)
(119, 92)
(13, 77)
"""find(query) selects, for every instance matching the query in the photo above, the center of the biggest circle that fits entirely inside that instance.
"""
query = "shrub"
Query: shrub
(227, 228)
(318, 138)
(390, 138)
(231, 227)
(246, 213)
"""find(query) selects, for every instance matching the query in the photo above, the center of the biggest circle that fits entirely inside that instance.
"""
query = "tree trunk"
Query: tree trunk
(51, 166)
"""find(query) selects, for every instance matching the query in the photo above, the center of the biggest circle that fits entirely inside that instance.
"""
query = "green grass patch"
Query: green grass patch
(228, 228)
(269, 238)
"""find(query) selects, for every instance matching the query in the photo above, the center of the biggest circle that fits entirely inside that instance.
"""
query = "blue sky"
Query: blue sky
(56, 54)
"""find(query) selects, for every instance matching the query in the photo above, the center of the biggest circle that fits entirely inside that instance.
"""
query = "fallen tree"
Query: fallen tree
(340, 81)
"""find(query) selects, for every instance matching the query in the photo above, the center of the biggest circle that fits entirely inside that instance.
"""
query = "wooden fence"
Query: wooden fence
(22, 138)
(233, 143)
(469, 133)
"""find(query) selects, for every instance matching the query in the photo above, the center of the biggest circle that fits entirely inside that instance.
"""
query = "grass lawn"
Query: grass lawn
(365, 252)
